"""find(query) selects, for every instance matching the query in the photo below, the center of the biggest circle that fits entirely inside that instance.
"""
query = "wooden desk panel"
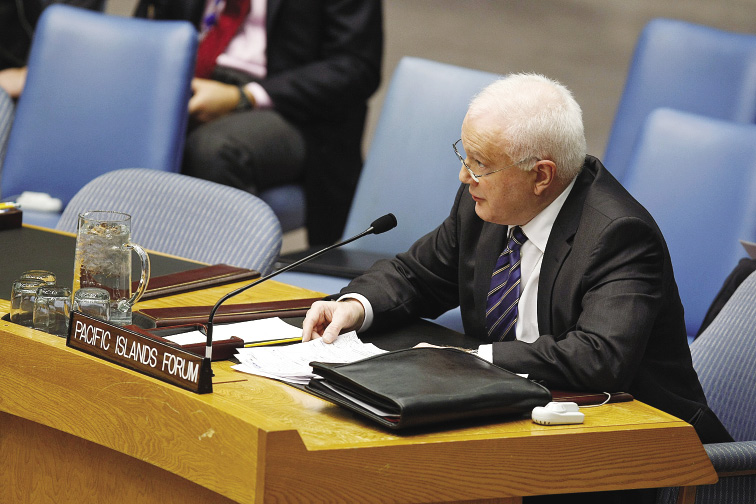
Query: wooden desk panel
(44, 465)
(257, 440)
(623, 445)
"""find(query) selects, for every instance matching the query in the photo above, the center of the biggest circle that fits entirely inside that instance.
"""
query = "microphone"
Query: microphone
(378, 226)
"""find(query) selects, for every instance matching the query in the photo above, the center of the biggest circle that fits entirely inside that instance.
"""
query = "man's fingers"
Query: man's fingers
(331, 333)
(326, 319)
(307, 327)
(316, 319)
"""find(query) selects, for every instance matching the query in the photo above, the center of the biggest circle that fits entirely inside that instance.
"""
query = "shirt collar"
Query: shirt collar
(539, 227)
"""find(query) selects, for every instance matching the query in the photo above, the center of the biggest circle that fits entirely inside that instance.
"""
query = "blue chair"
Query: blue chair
(7, 108)
(724, 357)
(184, 216)
(102, 93)
(686, 67)
(289, 203)
(697, 178)
(410, 170)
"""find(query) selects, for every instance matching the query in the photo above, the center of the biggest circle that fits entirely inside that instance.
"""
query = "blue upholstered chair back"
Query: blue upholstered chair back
(697, 178)
(724, 357)
(6, 120)
(184, 216)
(686, 67)
(411, 169)
(102, 93)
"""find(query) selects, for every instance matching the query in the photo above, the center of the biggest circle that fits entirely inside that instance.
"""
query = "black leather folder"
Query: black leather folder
(423, 386)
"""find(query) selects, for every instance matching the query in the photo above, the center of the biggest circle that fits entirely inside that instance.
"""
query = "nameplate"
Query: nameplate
(140, 353)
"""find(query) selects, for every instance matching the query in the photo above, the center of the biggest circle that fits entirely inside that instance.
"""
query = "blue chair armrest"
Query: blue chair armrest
(735, 463)
(739, 456)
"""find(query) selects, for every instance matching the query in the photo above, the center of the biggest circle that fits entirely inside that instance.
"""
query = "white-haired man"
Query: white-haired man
(593, 305)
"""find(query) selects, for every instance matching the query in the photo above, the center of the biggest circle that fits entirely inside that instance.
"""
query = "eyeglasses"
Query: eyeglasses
(476, 177)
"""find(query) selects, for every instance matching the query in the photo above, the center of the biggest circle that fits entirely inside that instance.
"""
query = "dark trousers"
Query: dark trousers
(251, 150)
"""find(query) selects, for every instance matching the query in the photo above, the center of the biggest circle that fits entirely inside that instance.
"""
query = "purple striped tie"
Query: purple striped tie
(501, 307)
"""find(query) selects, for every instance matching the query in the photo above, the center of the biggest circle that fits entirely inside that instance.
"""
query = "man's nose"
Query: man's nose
(464, 175)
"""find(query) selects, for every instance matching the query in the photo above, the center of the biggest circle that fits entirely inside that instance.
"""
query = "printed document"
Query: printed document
(291, 363)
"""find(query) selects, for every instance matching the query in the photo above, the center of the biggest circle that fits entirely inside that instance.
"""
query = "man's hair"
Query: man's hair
(539, 118)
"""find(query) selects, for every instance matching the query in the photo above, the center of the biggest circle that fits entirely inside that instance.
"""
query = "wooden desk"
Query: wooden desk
(74, 427)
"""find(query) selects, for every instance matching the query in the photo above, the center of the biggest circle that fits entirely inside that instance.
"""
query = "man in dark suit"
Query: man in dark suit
(286, 100)
(596, 305)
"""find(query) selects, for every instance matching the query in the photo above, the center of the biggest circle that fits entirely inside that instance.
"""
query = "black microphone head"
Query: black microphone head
(383, 224)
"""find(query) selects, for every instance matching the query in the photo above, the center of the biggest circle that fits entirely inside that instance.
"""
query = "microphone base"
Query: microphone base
(205, 385)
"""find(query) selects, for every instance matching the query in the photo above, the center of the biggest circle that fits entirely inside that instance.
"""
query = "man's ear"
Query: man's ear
(545, 172)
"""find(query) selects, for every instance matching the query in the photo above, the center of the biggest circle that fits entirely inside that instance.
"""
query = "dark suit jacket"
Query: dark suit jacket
(324, 62)
(609, 314)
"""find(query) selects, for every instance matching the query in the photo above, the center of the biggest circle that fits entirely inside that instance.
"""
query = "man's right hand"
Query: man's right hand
(328, 319)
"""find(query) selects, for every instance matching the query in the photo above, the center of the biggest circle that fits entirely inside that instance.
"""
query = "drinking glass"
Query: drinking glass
(47, 277)
(52, 309)
(23, 295)
(92, 301)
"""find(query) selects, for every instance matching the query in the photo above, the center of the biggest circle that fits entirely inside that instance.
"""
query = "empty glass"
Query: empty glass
(52, 309)
(47, 277)
(92, 301)
(23, 295)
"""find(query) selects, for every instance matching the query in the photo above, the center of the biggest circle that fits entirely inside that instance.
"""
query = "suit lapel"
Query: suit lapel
(559, 245)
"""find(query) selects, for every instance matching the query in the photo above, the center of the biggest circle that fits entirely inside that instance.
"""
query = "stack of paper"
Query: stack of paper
(267, 331)
(292, 363)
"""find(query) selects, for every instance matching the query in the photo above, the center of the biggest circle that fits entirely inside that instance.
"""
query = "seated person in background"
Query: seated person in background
(583, 296)
(283, 97)
(17, 22)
